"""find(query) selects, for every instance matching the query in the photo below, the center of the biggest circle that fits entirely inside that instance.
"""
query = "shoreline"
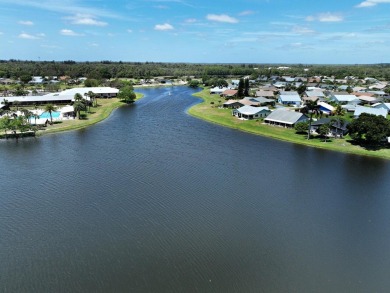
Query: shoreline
(100, 113)
(223, 117)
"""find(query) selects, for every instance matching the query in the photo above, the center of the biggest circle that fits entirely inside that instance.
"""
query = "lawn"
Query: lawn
(97, 114)
(209, 110)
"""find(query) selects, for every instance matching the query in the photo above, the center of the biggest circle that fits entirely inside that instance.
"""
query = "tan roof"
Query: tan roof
(249, 102)
(230, 92)
(363, 94)
(264, 93)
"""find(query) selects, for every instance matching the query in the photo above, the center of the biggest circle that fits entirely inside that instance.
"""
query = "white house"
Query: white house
(345, 99)
(377, 106)
(249, 112)
(374, 111)
(285, 118)
(294, 99)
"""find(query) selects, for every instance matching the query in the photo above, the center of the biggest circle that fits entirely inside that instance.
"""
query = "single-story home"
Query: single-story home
(218, 90)
(64, 97)
(248, 101)
(265, 94)
(375, 111)
(325, 107)
(337, 128)
(376, 106)
(294, 99)
(249, 112)
(344, 99)
(264, 101)
(229, 93)
(285, 118)
(368, 99)
(315, 93)
(232, 104)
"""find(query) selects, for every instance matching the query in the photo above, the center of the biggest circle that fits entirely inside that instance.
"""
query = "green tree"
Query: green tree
(16, 104)
(338, 122)
(78, 106)
(301, 89)
(369, 129)
(240, 92)
(246, 87)
(301, 127)
(50, 108)
(91, 82)
(78, 97)
(5, 124)
(25, 78)
(324, 130)
(193, 83)
(126, 95)
(311, 108)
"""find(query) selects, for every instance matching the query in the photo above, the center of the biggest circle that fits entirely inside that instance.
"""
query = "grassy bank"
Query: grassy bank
(208, 110)
(97, 114)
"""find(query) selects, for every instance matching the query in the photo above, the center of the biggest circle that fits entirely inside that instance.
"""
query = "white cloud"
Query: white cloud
(326, 17)
(302, 30)
(246, 12)
(26, 36)
(129, 31)
(26, 22)
(221, 18)
(191, 20)
(84, 19)
(67, 32)
(163, 27)
(370, 3)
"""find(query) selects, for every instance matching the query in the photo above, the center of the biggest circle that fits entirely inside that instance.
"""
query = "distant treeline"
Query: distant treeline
(145, 70)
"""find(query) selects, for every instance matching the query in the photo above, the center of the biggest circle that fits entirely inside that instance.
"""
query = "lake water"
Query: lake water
(154, 200)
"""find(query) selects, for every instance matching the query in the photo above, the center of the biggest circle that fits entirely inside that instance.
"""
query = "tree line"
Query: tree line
(145, 70)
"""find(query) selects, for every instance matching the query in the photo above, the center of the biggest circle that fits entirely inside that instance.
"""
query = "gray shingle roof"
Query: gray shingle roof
(284, 116)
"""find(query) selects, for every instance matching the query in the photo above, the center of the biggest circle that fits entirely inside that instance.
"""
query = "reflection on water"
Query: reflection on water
(153, 200)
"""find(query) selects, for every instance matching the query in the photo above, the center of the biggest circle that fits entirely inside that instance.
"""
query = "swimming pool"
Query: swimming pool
(47, 115)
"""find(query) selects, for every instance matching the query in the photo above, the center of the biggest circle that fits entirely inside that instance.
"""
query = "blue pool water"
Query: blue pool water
(47, 115)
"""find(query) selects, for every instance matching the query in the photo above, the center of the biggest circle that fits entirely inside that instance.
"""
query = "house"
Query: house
(344, 99)
(66, 96)
(368, 100)
(67, 112)
(232, 104)
(36, 80)
(248, 101)
(285, 118)
(264, 101)
(315, 93)
(229, 93)
(265, 94)
(374, 111)
(218, 90)
(325, 107)
(280, 84)
(337, 128)
(249, 112)
(293, 99)
(376, 106)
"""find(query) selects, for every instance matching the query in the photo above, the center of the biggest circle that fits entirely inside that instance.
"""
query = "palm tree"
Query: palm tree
(311, 107)
(5, 124)
(28, 114)
(50, 108)
(78, 97)
(78, 106)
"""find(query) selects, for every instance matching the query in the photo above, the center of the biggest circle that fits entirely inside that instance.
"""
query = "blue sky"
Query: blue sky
(212, 31)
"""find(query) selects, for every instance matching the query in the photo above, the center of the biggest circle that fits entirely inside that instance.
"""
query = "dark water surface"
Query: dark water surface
(153, 200)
